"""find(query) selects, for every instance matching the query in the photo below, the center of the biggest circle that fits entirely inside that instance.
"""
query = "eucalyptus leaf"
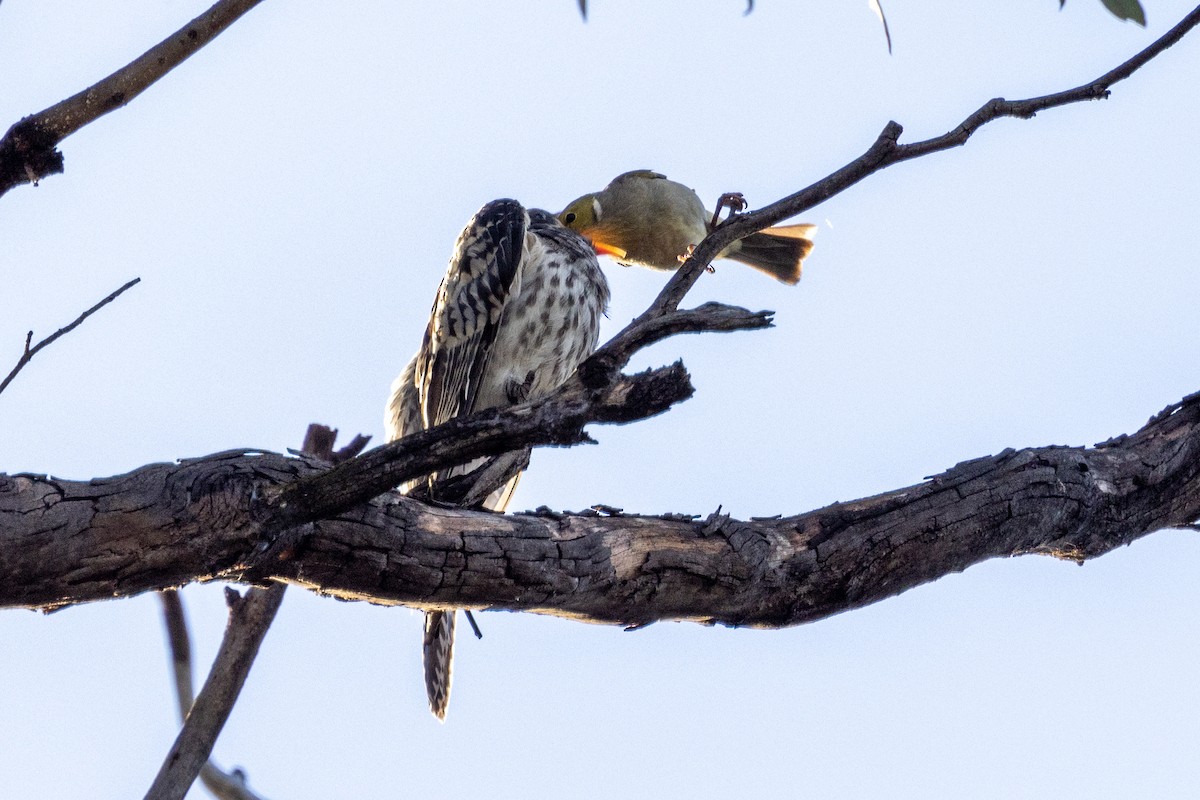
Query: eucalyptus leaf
(1127, 9)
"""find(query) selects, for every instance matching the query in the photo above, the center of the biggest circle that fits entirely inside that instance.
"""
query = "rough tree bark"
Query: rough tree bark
(165, 525)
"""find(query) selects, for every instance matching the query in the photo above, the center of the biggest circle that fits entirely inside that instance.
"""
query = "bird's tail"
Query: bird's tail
(779, 252)
(438, 649)
(439, 659)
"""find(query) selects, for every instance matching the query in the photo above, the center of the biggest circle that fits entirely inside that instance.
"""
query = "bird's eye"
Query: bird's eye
(568, 218)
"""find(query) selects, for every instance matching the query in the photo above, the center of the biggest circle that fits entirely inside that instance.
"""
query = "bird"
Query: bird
(518, 309)
(643, 218)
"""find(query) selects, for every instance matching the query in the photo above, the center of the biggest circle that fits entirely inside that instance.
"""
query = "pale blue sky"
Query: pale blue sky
(289, 198)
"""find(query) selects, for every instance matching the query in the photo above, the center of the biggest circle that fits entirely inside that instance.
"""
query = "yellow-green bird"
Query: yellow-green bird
(643, 218)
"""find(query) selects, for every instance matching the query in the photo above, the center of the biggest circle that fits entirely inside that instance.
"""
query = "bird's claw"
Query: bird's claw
(734, 201)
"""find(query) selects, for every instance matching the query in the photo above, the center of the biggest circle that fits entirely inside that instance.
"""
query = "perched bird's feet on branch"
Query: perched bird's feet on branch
(691, 248)
(734, 201)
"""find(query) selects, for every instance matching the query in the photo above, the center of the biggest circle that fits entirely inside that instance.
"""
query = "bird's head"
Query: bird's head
(585, 216)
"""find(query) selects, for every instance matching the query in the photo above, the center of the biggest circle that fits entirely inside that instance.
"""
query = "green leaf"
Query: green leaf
(1127, 9)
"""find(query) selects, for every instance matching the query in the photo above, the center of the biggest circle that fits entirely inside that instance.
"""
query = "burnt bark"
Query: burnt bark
(167, 524)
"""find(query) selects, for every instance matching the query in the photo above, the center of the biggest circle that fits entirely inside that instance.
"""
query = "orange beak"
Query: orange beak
(608, 250)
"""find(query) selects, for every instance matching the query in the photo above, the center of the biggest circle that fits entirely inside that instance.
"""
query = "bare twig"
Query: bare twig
(658, 323)
(30, 352)
(180, 644)
(223, 785)
(249, 619)
(27, 151)
(226, 785)
(356, 446)
(886, 151)
(877, 7)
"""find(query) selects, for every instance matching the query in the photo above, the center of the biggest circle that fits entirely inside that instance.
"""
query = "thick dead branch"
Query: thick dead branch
(887, 151)
(30, 352)
(264, 503)
(163, 525)
(27, 151)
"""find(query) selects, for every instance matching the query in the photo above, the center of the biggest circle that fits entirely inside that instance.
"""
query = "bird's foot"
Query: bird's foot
(734, 201)
(691, 248)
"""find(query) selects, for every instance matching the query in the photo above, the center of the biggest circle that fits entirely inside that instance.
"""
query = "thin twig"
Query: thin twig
(30, 352)
(474, 625)
(877, 7)
(27, 151)
(180, 644)
(249, 619)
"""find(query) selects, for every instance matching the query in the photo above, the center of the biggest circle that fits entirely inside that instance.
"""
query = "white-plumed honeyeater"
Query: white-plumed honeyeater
(517, 311)
(643, 218)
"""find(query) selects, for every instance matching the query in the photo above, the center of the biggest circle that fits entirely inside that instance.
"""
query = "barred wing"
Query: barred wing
(483, 274)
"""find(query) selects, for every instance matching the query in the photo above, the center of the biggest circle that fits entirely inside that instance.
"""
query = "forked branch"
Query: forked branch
(30, 352)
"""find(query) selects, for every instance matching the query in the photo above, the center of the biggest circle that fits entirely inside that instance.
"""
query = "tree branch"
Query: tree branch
(886, 151)
(224, 785)
(27, 151)
(163, 525)
(29, 353)
(249, 619)
(180, 645)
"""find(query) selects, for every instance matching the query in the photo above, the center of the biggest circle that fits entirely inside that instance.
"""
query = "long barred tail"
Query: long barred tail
(439, 657)
(438, 649)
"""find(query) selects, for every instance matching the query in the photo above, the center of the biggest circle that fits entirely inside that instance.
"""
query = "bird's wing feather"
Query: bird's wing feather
(403, 413)
(483, 274)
